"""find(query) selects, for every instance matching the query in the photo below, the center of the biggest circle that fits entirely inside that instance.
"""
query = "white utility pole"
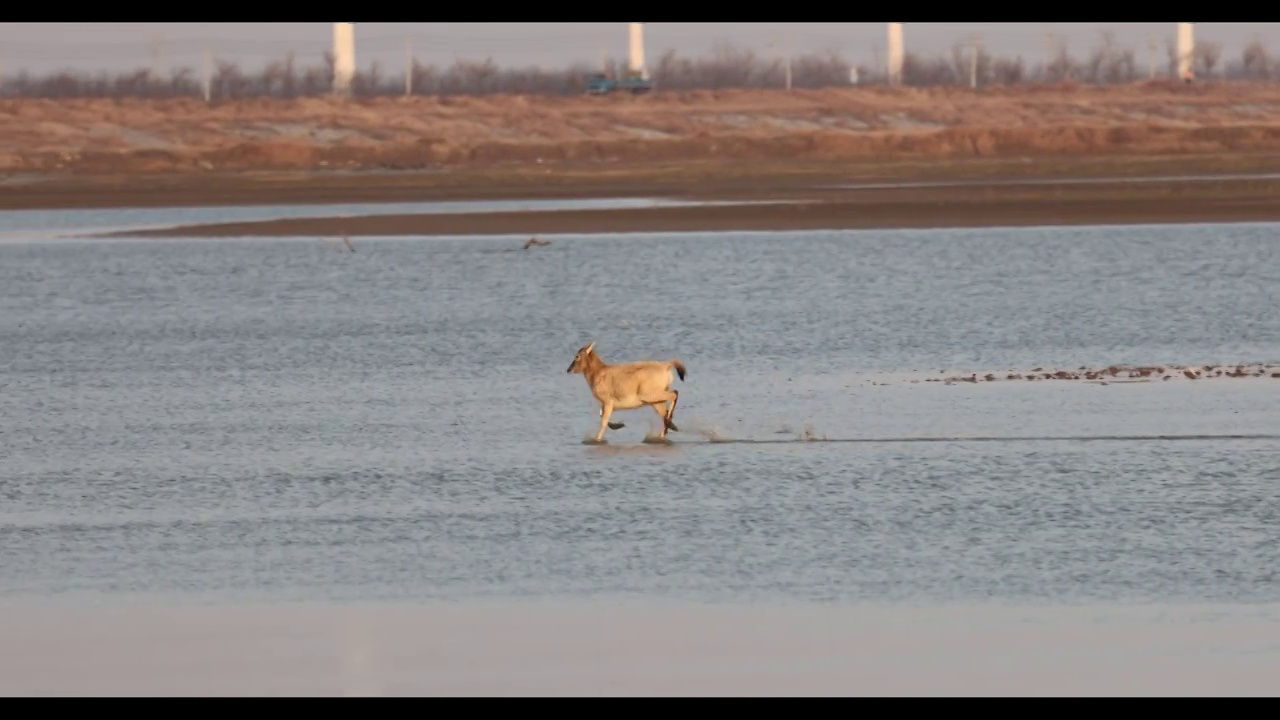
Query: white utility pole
(344, 57)
(157, 58)
(776, 51)
(1186, 50)
(637, 51)
(207, 79)
(974, 45)
(895, 53)
(408, 67)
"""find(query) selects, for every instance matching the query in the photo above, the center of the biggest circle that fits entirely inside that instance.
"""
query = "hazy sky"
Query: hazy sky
(41, 47)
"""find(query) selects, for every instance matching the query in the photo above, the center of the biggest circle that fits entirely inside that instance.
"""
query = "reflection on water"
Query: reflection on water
(25, 225)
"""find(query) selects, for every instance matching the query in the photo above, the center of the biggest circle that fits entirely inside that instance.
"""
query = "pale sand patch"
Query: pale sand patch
(633, 648)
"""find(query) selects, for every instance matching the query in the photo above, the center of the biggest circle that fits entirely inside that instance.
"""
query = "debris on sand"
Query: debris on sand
(1125, 373)
(535, 242)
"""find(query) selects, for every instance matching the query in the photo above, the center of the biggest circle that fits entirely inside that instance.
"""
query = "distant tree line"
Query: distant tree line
(725, 67)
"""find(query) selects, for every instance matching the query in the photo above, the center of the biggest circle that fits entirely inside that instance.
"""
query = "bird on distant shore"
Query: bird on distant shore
(535, 242)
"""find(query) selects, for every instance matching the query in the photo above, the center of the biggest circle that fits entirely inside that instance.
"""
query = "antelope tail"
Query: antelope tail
(679, 366)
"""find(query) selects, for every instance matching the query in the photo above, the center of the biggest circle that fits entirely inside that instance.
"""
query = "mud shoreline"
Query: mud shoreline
(779, 205)
(804, 195)
(741, 179)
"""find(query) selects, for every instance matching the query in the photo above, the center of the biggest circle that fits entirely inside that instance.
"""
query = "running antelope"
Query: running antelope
(627, 386)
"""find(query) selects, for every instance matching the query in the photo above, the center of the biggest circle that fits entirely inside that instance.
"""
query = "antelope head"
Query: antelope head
(579, 363)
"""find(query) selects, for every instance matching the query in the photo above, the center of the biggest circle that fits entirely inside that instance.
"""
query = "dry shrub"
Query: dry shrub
(954, 142)
(279, 154)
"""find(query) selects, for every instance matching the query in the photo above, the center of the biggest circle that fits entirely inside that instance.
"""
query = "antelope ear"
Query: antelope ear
(590, 347)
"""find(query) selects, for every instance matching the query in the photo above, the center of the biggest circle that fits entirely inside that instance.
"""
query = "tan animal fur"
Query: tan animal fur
(627, 386)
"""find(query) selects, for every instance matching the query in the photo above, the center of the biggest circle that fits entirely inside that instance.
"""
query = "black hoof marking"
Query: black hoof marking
(616, 426)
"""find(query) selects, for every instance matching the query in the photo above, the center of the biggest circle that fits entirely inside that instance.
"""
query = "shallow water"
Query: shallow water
(271, 419)
(24, 225)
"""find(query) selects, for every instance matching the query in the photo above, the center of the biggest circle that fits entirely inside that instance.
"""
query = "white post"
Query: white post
(895, 53)
(158, 73)
(408, 67)
(637, 51)
(1151, 55)
(973, 61)
(1186, 51)
(344, 57)
(207, 79)
(775, 52)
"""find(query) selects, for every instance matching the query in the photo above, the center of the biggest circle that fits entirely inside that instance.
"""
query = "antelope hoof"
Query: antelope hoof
(616, 425)
(670, 425)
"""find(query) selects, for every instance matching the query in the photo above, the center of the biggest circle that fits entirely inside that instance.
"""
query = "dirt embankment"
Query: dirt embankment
(187, 137)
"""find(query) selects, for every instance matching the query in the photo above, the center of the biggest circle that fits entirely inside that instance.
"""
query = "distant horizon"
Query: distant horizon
(43, 48)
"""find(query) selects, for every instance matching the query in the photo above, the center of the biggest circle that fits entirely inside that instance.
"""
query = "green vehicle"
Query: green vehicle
(601, 84)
